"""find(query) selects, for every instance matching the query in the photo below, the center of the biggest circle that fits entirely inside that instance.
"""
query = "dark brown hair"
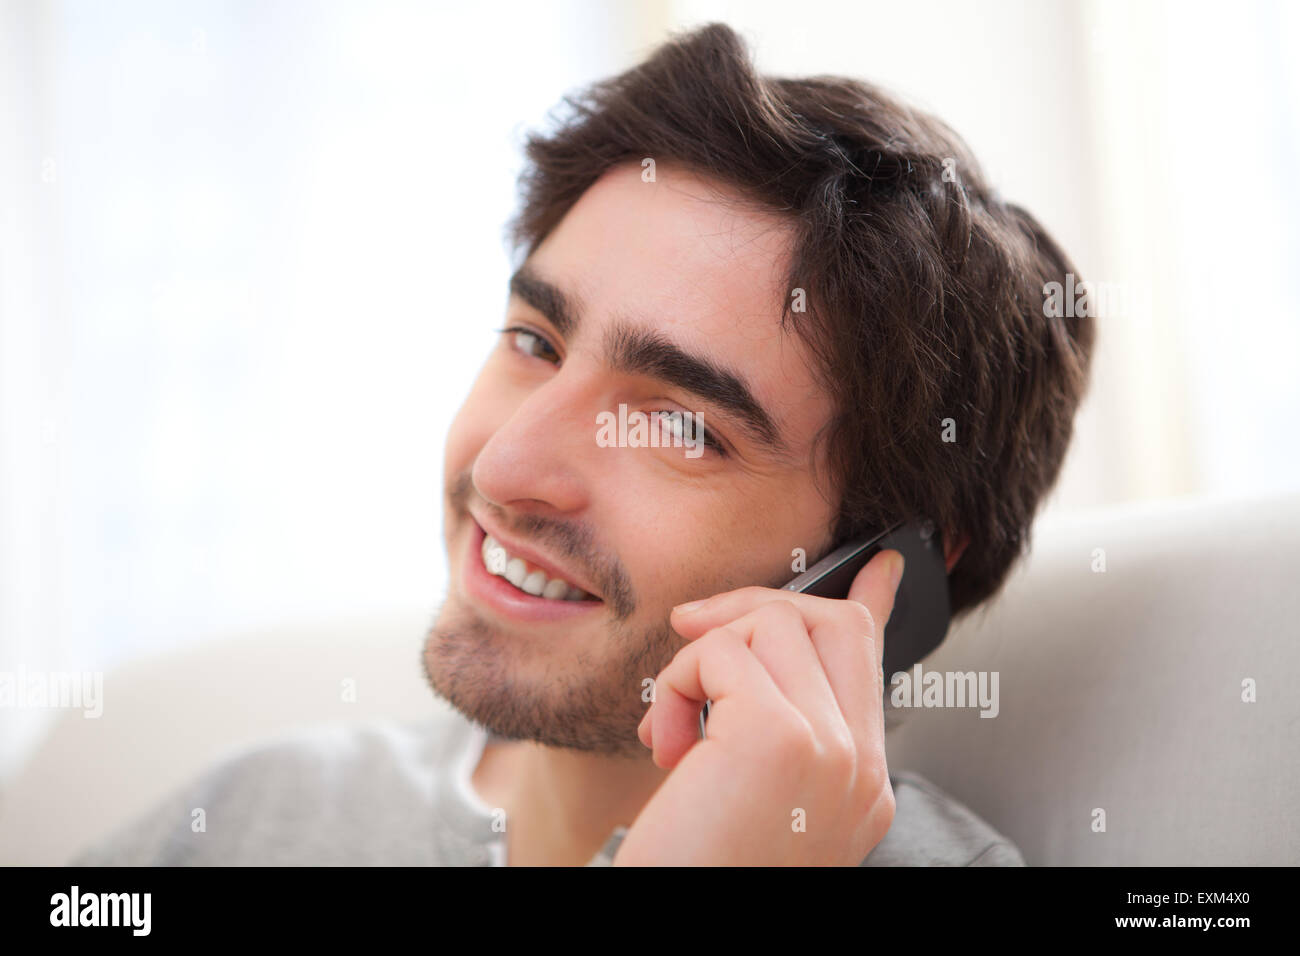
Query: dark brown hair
(924, 289)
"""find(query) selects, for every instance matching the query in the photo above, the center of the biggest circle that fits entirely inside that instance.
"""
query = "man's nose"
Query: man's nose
(543, 452)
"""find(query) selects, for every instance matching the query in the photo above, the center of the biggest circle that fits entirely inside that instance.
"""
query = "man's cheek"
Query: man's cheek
(470, 431)
(456, 450)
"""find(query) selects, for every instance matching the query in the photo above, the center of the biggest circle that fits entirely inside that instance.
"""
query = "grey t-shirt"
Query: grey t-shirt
(386, 793)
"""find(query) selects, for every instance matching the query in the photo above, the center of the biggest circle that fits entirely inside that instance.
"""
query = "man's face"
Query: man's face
(662, 297)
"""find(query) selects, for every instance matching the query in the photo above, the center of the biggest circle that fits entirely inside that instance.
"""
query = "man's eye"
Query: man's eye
(681, 427)
(530, 343)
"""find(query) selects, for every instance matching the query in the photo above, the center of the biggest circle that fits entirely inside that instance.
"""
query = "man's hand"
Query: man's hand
(793, 767)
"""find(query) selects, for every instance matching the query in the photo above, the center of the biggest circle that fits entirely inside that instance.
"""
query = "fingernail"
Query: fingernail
(896, 570)
(688, 608)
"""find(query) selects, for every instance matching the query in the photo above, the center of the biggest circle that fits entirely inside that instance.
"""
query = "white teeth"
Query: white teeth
(514, 570)
(555, 589)
(494, 556)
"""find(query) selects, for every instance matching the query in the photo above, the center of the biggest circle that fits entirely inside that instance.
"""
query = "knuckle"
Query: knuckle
(780, 612)
(723, 635)
(873, 779)
(888, 806)
(859, 617)
(840, 755)
(883, 810)
(877, 811)
(793, 739)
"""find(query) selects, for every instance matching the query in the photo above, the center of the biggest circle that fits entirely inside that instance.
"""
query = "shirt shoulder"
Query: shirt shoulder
(339, 794)
(931, 828)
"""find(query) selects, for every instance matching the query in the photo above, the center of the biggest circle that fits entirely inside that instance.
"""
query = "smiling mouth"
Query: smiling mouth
(527, 578)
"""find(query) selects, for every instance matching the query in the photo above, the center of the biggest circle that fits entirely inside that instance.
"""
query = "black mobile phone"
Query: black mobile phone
(919, 621)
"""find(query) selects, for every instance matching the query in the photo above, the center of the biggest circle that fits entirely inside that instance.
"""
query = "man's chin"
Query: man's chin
(515, 694)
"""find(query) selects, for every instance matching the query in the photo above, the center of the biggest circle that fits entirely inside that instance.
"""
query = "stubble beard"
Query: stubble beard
(518, 691)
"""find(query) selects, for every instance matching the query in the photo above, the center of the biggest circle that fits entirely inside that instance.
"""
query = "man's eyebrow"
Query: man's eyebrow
(640, 351)
(547, 298)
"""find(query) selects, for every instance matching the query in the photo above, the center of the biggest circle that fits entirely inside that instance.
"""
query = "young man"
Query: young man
(832, 323)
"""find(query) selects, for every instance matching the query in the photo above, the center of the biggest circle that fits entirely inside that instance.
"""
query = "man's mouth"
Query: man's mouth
(527, 578)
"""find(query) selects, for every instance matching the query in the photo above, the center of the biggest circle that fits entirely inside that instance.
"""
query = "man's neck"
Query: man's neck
(561, 805)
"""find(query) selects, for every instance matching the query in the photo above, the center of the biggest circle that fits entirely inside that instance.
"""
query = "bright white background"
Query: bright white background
(250, 254)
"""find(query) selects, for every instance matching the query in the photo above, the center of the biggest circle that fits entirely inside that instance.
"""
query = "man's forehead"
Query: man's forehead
(682, 238)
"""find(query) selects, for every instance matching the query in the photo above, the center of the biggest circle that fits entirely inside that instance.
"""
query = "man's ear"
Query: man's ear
(952, 552)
